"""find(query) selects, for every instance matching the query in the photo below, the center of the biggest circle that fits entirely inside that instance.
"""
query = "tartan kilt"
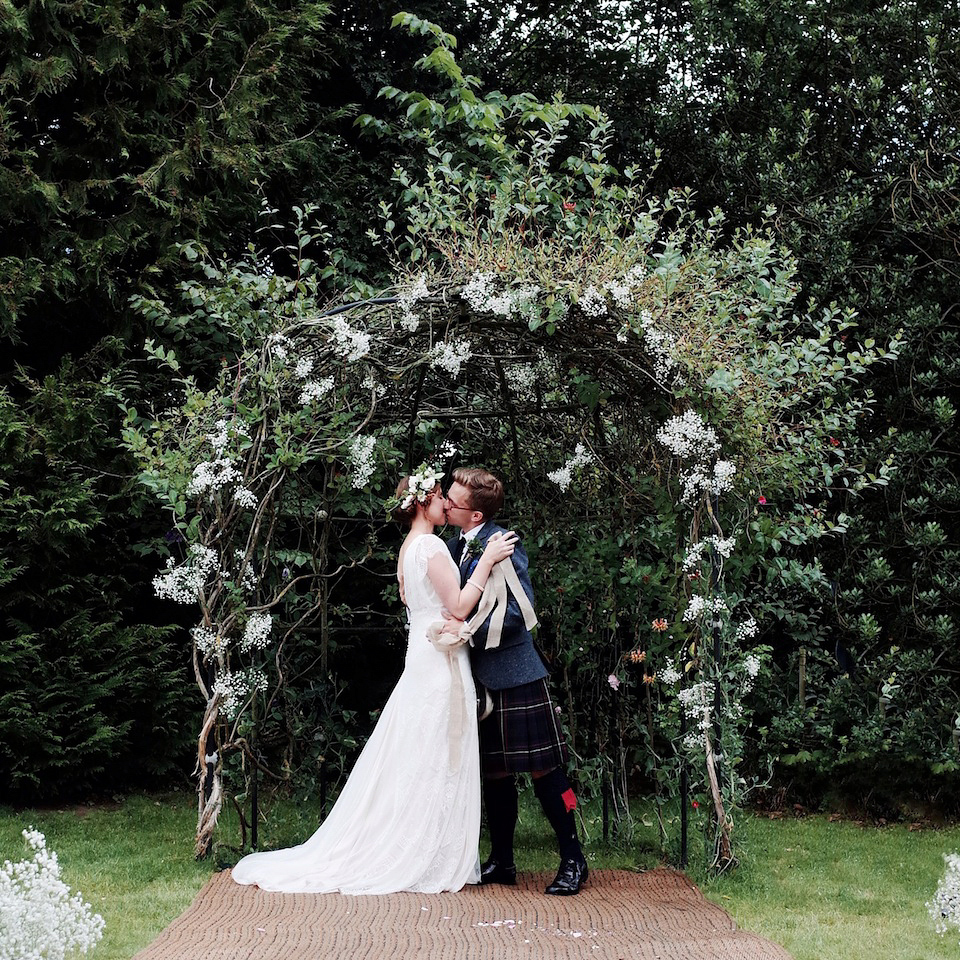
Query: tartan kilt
(522, 734)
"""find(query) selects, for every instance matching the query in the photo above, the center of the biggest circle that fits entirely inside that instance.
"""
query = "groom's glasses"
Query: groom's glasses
(455, 506)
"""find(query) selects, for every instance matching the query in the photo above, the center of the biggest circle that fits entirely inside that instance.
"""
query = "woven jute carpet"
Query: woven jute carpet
(657, 915)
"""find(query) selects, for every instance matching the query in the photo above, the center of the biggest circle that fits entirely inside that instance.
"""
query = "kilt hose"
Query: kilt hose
(522, 734)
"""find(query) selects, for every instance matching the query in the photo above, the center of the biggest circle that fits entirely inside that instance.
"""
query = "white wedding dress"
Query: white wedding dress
(408, 817)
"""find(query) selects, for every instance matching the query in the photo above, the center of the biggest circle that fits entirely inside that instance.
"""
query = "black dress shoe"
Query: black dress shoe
(495, 872)
(571, 876)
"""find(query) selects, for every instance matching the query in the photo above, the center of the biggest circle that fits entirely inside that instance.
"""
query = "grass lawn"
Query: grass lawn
(838, 891)
(826, 891)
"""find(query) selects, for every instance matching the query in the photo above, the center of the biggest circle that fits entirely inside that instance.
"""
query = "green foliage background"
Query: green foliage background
(125, 131)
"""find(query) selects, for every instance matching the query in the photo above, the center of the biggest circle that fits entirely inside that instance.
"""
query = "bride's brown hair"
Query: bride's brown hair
(404, 515)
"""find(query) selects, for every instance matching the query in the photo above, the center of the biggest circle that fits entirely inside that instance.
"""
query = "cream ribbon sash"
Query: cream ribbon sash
(448, 643)
(502, 577)
(493, 604)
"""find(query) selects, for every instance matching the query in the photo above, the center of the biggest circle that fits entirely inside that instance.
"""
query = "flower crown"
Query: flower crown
(423, 480)
(421, 484)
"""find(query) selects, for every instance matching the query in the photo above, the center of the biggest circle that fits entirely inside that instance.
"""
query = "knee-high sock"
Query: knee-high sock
(500, 799)
(556, 796)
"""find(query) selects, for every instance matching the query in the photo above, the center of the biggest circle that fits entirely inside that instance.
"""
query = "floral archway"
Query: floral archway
(637, 371)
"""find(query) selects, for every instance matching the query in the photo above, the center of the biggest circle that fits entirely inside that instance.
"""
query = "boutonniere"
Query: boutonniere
(474, 548)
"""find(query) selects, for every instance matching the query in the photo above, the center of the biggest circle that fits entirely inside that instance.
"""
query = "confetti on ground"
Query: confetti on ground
(658, 915)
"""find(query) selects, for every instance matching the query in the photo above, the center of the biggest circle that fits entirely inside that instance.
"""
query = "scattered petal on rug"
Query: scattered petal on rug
(658, 915)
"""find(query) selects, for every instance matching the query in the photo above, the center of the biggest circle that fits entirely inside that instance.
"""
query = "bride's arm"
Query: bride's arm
(446, 580)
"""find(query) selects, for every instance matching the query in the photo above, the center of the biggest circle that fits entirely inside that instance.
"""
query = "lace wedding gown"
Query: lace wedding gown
(408, 817)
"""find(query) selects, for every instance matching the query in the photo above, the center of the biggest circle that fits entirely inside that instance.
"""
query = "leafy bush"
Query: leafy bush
(92, 691)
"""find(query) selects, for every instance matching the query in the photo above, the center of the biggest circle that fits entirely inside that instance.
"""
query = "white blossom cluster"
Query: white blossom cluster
(620, 294)
(524, 300)
(39, 917)
(746, 630)
(248, 575)
(221, 435)
(207, 640)
(688, 437)
(304, 368)
(564, 476)
(699, 480)
(945, 906)
(699, 606)
(315, 390)
(211, 475)
(478, 290)
(280, 345)
(723, 545)
(245, 498)
(482, 296)
(751, 665)
(521, 378)
(620, 290)
(233, 688)
(362, 460)
(184, 583)
(408, 299)
(668, 674)
(371, 383)
(451, 355)
(593, 303)
(695, 481)
(695, 609)
(350, 344)
(723, 473)
(256, 635)
(696, 702)
(658, 346)
(696, 699)
(693, 556)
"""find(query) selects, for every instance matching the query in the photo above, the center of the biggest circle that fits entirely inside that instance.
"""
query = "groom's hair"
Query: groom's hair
(486, 491)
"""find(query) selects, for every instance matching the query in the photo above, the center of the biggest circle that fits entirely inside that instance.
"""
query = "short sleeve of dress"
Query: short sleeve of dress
(428, 547)
(419, 590)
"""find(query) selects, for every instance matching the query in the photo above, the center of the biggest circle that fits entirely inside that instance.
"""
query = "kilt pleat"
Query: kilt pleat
(522, 734)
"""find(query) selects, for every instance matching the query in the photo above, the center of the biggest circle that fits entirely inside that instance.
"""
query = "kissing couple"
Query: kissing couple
(408, 817)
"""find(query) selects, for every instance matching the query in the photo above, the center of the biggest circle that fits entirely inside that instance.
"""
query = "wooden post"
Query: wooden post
(684, 795)
(254, 781)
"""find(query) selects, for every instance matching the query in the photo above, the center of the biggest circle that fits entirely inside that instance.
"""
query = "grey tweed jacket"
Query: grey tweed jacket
(516, 661)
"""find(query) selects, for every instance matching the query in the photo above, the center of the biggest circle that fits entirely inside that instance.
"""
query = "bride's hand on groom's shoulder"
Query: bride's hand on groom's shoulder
(501, 545)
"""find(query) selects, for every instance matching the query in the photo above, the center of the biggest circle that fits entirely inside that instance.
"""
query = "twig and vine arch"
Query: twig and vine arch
(591, 336)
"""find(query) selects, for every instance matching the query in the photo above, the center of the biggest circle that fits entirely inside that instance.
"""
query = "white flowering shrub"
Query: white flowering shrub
(564, 476)
(945, 906)
(40, 918)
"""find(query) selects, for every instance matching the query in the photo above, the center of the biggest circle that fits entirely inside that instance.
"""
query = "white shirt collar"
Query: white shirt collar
(470, 534)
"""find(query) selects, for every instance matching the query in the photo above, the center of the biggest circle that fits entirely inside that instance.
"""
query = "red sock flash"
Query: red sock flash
(569, 799)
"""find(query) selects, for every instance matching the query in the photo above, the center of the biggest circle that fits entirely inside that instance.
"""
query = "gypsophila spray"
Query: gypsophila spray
(40, 919)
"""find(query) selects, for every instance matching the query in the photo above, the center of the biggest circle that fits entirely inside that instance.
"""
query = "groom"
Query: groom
(522, 734)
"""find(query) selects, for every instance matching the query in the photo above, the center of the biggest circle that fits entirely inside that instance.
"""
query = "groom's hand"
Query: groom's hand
(403, 596)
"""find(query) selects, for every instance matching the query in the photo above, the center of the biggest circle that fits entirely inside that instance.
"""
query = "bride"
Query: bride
(408, 817)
